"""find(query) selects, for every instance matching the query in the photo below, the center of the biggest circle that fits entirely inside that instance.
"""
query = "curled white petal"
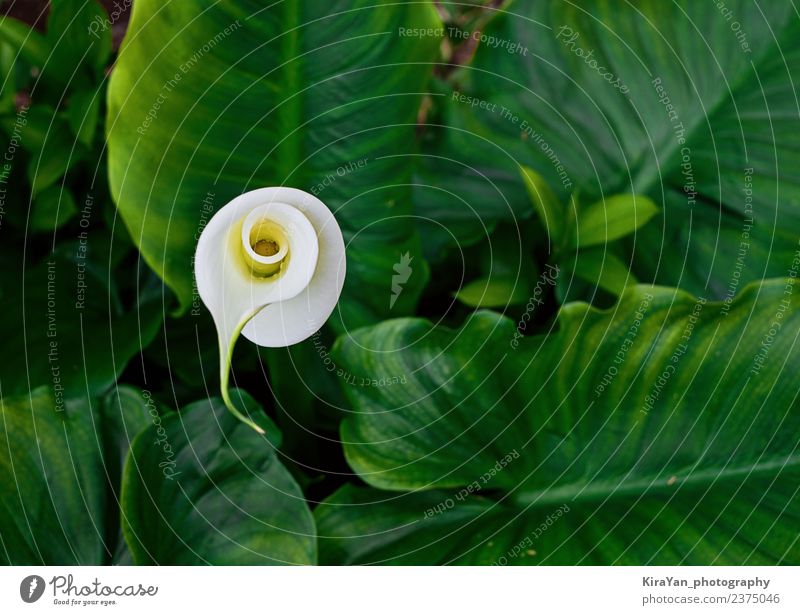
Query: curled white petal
(270, 265)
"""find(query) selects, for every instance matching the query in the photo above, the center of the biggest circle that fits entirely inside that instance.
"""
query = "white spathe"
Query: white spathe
(275, 297)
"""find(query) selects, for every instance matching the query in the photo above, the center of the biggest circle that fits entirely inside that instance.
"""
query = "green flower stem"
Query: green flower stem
(225, 358)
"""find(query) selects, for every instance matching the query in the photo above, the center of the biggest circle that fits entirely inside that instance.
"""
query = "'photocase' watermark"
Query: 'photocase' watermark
(760, 358)
(101, 24)
(510, 47)
(548, 278)
(569, 37)
(744, 242)
(735, 26)
(206, 211)
(627, 344)
(169, 464)
(671, 367)
(82, 253)
(679, 132)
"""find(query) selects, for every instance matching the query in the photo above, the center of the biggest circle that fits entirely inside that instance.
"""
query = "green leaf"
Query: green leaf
(60, 468)
(51, 164)
(15, 74)
(507, 270)
(188, 349)
(202, 487)
(610, 219)
(647, 420)
(550, 211)
(493, 292)
(451, 200)
(31, 125)
(52, 147)
(600, 267)
(52, 482)
(127, 411)
(720, 142)
(84, 114)
(25, 41)
(269, 96)
(53, 207)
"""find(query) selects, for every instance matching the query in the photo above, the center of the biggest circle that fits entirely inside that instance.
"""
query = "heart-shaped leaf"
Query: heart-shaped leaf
(667, 425)
(201, 487)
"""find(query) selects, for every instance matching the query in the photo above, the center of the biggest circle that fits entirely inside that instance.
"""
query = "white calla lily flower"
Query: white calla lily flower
(269, 265)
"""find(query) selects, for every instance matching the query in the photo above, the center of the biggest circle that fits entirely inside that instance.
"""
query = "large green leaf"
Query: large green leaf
(52, 149)
(53, 493)
(60, 472)
(493, 292)
(84, 114)
(200, 486)
(209, 101)
(667, 425)
(697, 104)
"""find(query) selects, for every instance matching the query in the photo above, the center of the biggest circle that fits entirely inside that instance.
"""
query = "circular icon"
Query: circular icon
(31, 588)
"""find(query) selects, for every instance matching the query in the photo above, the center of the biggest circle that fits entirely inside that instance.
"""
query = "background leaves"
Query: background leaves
(733, 108)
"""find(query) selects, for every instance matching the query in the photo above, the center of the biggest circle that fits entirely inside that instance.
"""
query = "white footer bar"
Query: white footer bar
(389, 591)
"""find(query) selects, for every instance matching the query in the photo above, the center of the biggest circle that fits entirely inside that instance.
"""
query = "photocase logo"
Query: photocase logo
(31, 588)
(403, 271)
